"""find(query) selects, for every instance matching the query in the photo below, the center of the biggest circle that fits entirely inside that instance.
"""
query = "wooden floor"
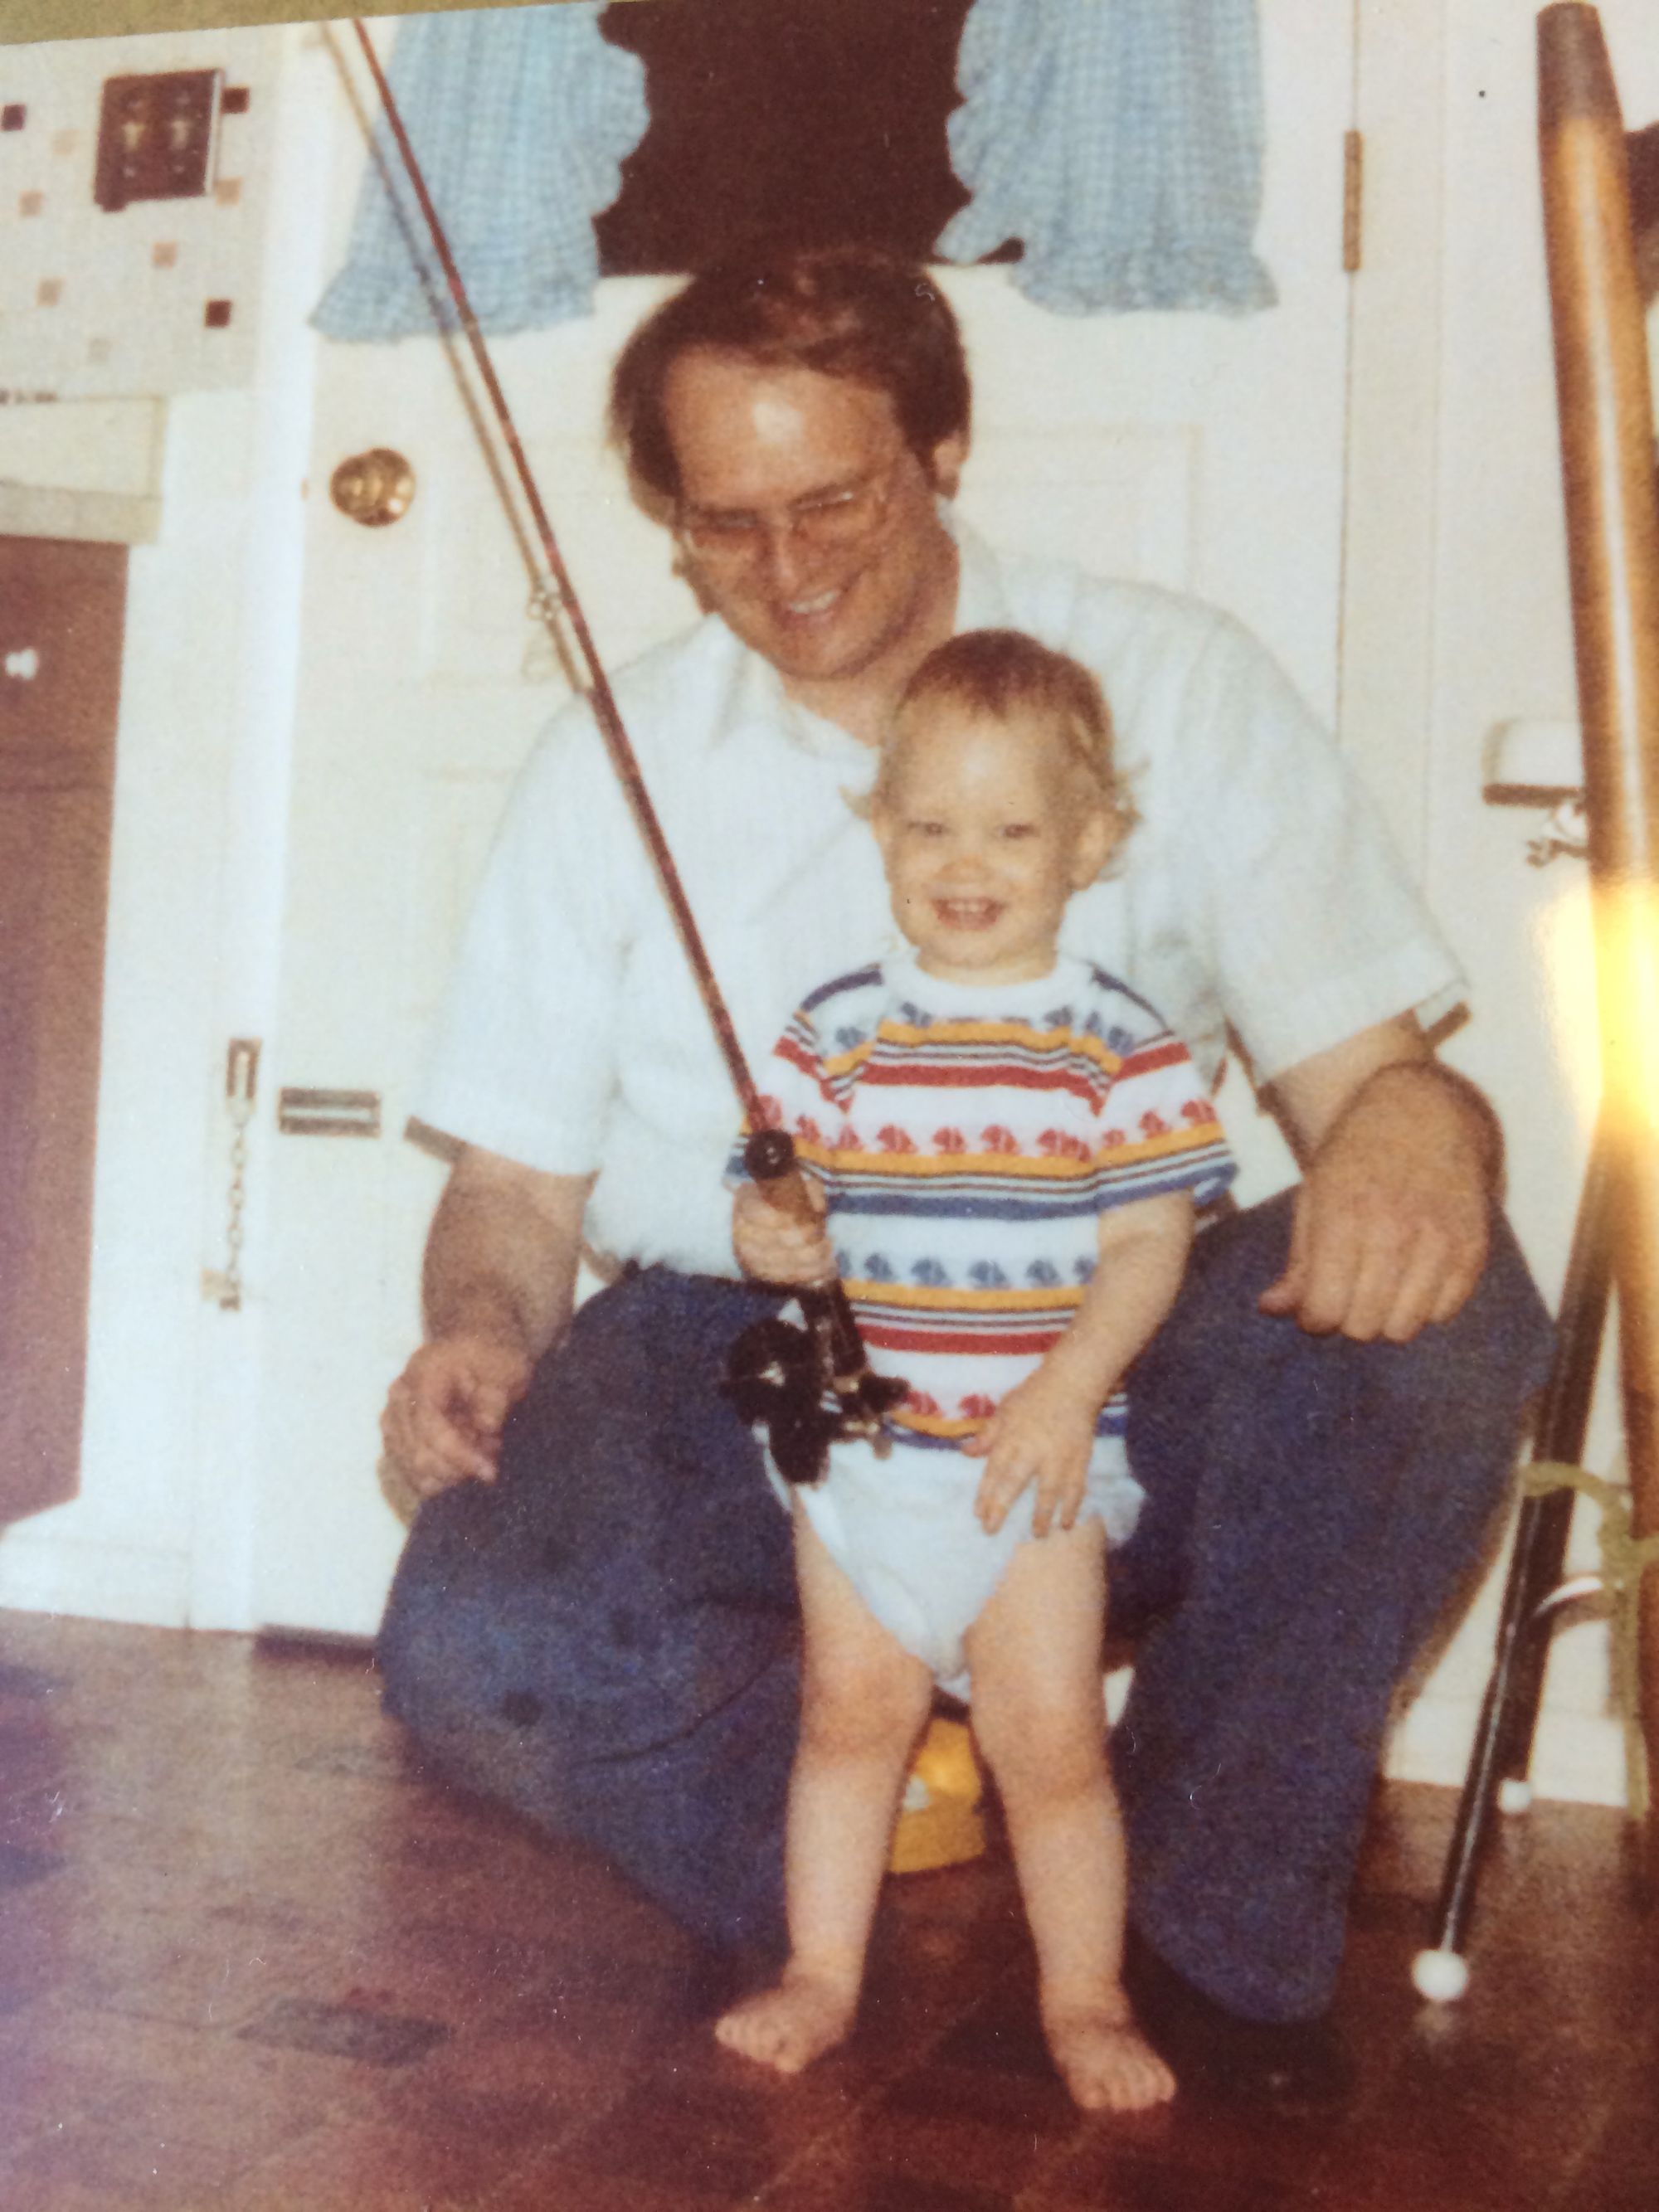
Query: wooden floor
(249, 1958)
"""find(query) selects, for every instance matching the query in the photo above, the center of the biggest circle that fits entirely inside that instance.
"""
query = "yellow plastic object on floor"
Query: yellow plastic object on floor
(939, 1823)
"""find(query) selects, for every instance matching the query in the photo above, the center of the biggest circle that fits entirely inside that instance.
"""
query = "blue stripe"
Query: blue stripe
(857, 979)
(1205, 1174)
(1107, 982)
(971, 1051)
(945, 1207)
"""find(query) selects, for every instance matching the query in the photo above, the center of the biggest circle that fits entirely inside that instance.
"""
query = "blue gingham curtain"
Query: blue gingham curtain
(1120, 140)
(521, 118)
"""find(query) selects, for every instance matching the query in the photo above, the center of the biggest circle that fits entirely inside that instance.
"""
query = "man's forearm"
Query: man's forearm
(502, 1254)
(1445, 1087)
(1312, 1097)
(1391, 1057)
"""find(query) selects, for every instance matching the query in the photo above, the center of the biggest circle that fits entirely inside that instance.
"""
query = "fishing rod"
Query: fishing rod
(807, 1389)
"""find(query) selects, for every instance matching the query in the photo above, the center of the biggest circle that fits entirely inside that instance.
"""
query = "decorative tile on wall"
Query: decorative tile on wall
(131, 210)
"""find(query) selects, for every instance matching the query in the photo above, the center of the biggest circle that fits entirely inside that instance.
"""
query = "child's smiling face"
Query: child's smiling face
(987, 826)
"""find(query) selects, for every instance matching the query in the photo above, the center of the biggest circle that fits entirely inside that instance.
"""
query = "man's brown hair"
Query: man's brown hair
(845, 310)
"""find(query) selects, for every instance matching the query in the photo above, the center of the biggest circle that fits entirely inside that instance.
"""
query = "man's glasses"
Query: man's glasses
(732, 536)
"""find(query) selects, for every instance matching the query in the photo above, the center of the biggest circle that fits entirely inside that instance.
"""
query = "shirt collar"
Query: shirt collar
(982, 595)
(1034, 996)
(757, 697)
(755, 692)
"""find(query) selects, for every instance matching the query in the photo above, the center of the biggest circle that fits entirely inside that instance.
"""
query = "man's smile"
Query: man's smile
(814, 607)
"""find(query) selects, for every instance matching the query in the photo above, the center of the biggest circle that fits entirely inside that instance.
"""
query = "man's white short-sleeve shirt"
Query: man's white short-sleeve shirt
(1258, 893)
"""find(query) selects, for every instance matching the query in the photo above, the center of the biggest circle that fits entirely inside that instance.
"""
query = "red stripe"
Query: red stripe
(948, 1075)
(887, 1338)
(1152, 1057)
(798, 1057)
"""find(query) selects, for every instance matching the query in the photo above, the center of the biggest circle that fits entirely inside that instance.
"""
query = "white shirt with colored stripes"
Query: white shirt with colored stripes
(968, 1137)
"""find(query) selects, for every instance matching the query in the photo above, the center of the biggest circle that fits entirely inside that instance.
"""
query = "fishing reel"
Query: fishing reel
(809, 1386)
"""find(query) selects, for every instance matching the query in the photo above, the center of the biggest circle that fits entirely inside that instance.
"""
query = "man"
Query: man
(594, 1616)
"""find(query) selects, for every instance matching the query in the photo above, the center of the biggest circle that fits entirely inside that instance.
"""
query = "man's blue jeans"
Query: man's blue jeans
(607, 1637)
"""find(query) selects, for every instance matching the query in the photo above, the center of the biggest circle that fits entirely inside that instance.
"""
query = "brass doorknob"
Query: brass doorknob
(374, 487)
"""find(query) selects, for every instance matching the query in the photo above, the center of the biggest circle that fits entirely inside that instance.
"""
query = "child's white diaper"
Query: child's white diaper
(902, 1530)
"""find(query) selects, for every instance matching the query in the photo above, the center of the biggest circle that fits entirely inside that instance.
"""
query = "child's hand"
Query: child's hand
(776, 1247)
(1041, 1433)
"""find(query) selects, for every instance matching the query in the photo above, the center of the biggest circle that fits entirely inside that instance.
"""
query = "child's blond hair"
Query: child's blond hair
(1001, 672)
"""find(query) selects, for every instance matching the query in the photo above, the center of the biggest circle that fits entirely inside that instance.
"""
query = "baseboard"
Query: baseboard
(93, 1582)
(1578, 1756)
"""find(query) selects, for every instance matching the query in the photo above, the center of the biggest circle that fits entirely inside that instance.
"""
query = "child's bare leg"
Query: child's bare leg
(1034, 1655)
(864, 1699)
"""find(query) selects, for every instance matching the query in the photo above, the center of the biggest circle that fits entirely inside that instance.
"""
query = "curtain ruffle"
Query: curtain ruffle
(521, 118)
(1120, 141)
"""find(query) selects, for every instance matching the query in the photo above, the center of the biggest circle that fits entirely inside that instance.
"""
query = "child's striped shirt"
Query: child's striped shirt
(967, 1138)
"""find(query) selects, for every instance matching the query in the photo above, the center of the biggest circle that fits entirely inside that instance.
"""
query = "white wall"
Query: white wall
(1471, 565)
(157, 1532)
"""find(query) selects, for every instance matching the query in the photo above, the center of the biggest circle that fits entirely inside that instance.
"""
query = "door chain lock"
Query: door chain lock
(223, 1286)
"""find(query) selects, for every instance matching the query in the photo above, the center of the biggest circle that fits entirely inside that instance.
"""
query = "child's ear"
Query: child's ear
(1098, 837)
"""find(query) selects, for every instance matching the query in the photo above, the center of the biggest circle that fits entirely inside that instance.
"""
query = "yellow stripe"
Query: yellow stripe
(843, 1064)
(1060, 1169)
(946, 1164)
(1172, 1140)
(935, 1425)
(1057, 1298)
(1018, 1034)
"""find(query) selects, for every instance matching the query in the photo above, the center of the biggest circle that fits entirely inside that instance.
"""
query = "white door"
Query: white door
(1194, 450)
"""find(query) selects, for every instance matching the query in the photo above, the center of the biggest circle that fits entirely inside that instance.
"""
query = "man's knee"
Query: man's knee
(1247, 1431)
(431, 1642)
(1479, 1367)
(1234, 1261)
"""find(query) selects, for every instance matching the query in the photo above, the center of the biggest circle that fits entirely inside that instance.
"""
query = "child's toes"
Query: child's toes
(1108, 2064)
(788, 2026)
(1146, 2081)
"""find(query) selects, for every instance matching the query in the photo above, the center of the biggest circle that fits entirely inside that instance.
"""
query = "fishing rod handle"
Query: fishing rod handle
(769, 1156)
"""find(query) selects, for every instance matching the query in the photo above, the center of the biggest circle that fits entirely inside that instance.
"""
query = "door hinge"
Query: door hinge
(1353, 200)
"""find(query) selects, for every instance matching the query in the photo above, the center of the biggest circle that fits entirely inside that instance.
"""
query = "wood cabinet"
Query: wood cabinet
(61, 613)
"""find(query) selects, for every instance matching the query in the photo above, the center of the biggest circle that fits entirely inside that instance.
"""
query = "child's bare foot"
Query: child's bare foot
(1105, 2060)
(790, 2025)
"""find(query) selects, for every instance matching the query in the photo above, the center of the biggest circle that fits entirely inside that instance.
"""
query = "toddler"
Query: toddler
(1008, 1145)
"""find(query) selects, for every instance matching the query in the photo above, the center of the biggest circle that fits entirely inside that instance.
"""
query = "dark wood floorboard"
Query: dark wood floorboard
(252, 1958)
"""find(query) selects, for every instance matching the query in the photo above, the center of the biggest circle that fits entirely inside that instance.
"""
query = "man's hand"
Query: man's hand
(1041, 1433)
(445, 1414)
(775, 1247)
(1391, 1223)
(499, 1281)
